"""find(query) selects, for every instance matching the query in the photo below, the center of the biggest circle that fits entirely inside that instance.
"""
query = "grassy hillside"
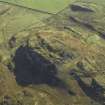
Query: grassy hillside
(52, 52)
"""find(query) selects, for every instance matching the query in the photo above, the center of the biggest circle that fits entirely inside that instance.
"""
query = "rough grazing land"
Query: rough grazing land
(52, 52)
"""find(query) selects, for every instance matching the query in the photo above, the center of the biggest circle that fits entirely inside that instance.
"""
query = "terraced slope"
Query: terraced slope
(52, 59)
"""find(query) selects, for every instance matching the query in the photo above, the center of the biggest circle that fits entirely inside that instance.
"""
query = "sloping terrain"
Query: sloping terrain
(52, 55)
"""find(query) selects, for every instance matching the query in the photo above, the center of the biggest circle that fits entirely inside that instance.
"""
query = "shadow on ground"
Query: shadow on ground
(94, 91)
(32, 68)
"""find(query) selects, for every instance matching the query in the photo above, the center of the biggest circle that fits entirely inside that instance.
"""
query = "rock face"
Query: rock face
(50, 59)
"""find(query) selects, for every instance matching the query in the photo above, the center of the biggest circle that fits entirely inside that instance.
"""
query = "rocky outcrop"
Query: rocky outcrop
(80, 8)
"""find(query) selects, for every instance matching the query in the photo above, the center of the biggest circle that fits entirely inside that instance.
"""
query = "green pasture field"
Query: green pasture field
(52, 6)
